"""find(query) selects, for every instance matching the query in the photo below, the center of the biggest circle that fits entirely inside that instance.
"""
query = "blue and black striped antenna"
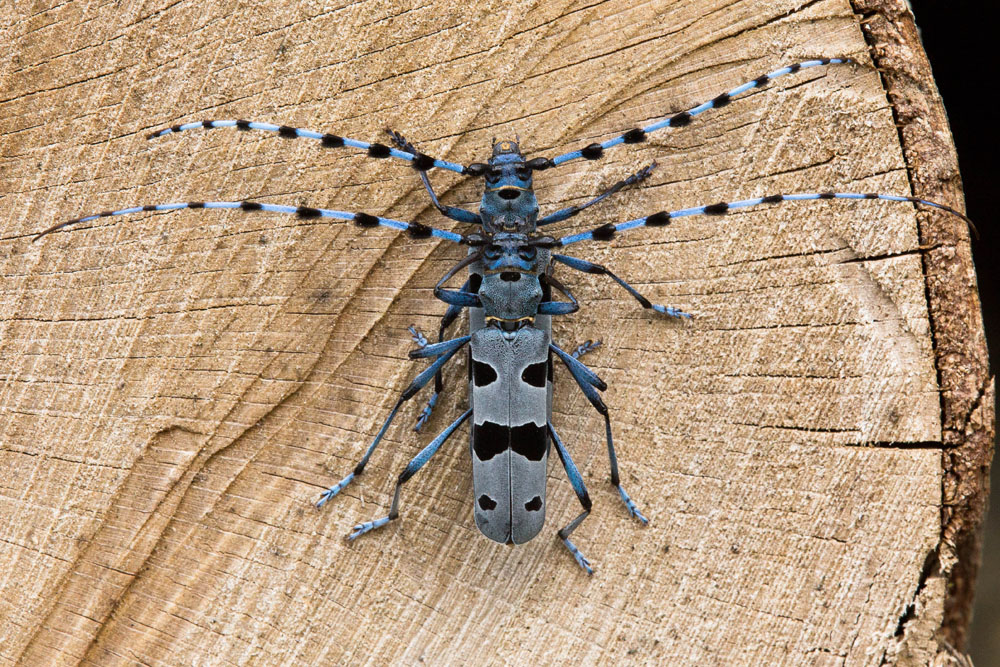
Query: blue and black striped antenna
(608, 231)
(637, 135)
(416, 230)
(419, 161)
(423, 162)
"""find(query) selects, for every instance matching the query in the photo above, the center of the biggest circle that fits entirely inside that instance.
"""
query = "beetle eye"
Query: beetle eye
(493, 252)
(493, 175)
(523, 173)
(527, 252)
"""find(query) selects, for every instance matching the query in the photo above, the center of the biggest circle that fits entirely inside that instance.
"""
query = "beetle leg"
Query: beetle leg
(581, 492)
(411, 469)
(589, 383)
(415, 386)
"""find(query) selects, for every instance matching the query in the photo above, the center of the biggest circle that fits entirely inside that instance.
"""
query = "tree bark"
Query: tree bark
(176, 389)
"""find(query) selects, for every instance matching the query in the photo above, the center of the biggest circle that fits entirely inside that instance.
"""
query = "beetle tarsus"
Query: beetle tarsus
(631, 506)
(367, 527)
(334, 490)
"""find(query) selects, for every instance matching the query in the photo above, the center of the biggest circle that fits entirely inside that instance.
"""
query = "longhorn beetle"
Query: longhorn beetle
(509, 295)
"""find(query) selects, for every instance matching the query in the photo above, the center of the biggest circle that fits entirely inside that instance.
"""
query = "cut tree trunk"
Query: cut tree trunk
(176, 389)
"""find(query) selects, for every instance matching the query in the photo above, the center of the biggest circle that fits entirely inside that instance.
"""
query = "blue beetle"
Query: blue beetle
(509, 298)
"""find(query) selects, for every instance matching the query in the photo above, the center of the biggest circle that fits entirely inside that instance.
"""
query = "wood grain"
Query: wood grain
(177, 388)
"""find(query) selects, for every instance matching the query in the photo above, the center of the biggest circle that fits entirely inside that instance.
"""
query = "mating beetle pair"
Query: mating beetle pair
(509, 296)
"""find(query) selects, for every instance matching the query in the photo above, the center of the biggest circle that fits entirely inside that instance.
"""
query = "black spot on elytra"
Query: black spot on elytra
(487, 503)
(484, 374)
(489, 439)
(529, 440)
(534, 504)
(535, 374)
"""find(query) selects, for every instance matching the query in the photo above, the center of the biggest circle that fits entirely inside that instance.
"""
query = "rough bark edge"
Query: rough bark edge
(960, 353)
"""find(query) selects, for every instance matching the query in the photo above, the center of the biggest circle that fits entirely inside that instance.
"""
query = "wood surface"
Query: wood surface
(176, 389)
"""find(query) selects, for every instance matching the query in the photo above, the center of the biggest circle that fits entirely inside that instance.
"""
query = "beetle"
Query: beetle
(509, 296)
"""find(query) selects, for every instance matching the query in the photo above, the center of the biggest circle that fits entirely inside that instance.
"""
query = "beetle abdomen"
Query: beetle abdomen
(509, 441)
